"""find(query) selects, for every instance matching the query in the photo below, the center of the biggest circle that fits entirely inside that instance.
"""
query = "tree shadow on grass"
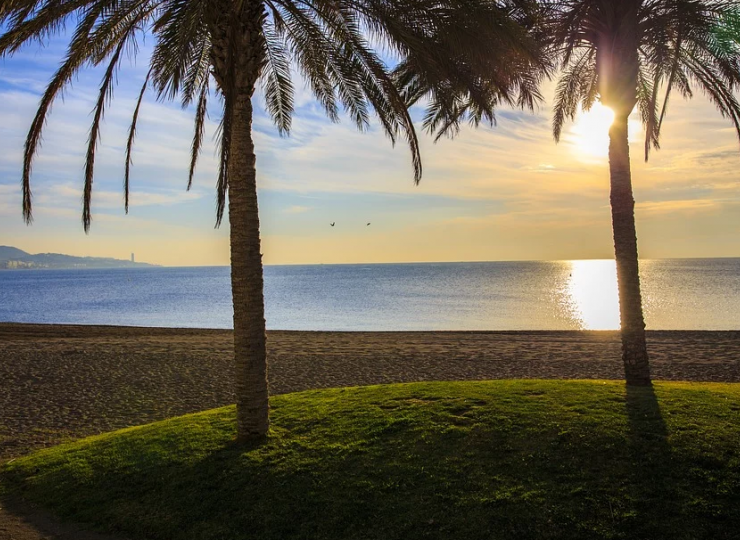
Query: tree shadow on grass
(652, 468)
(29, 521)
(528, 461)
(676, 494)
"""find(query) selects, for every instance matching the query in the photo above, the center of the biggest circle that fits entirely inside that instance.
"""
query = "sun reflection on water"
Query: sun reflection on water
(592, 294)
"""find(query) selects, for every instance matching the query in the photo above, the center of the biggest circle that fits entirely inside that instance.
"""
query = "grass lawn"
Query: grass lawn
(464, 460)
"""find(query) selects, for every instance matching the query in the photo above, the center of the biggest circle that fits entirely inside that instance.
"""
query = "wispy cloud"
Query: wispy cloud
(496, 192)
(296, 209)
(683, 207)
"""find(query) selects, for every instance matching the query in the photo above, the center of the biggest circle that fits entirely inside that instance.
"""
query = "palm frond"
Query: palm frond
(228, 91)
(311, 51)
(682, 44)
(277, 85)
(35, 21)
(104, 95)
(130, 141)
(183, 44)
(78, 53)
(222, 183)
(200, 119)
(576, 86)
(715, 87)
(483, 55)
(197, 74)
(647, 102)
(330, 50)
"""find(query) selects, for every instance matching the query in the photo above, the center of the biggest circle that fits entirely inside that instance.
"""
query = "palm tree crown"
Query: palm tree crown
(637, 52)
(200, 41)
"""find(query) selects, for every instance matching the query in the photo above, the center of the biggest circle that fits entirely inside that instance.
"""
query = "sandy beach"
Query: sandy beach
(63, 382)
(59, 383)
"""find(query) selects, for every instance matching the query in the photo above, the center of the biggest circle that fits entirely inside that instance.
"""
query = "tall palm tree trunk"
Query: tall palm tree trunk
(634, 348)
(252, 407)
(237, 54)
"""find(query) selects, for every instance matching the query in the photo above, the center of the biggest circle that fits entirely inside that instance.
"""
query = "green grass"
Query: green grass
(473, 460)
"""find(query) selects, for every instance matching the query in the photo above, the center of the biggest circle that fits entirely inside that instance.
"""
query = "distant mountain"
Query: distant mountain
(13, 258)
(7, 253)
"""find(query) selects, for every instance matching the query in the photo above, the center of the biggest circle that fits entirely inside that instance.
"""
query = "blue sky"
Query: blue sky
(502, 193)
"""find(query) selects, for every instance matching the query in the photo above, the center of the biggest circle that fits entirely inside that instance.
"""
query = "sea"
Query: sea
(678, 294)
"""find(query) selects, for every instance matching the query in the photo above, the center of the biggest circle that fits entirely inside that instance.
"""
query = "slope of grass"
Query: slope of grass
(472, 460)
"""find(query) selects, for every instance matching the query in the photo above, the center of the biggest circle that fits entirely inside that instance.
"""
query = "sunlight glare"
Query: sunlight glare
(593, 294)
(591, 131)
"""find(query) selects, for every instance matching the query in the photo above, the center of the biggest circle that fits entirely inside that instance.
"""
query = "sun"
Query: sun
(590, 132)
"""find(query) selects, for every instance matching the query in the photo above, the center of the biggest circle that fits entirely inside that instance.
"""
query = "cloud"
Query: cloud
(71, 195)
(296, 209)
(10, 200)
(495, 192)
(683, 207)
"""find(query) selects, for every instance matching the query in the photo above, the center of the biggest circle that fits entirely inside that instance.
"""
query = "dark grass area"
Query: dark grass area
(468, 460)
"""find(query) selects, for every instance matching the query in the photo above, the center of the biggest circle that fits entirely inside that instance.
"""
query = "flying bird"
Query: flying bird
(332, 223)
(367, 225)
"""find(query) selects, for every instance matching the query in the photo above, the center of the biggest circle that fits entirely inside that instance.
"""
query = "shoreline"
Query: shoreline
(7, 328)
(59, 382)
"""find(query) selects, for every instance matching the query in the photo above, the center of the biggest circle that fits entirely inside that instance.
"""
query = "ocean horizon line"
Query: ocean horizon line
(511, 261)
(686, 294)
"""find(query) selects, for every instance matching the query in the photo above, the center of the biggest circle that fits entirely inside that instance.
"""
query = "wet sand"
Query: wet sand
(63, 382)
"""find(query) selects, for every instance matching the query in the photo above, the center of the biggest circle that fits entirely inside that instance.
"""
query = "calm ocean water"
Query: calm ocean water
(690, 294)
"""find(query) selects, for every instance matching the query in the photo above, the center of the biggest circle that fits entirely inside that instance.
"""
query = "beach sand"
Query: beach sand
(63, 382)
(59, 383)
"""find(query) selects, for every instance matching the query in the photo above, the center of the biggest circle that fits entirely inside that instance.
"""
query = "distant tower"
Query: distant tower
(132, 258)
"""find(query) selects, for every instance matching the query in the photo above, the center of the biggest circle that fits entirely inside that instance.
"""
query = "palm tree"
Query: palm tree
(237, 44)
(635, 53)
(627, 54)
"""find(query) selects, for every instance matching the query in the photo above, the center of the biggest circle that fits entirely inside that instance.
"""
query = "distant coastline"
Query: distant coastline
(12, 258)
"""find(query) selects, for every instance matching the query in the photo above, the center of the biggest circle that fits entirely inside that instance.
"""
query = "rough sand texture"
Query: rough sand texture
(62, 382)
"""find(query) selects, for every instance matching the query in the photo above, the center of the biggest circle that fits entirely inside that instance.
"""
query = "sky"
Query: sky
(494, 193)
